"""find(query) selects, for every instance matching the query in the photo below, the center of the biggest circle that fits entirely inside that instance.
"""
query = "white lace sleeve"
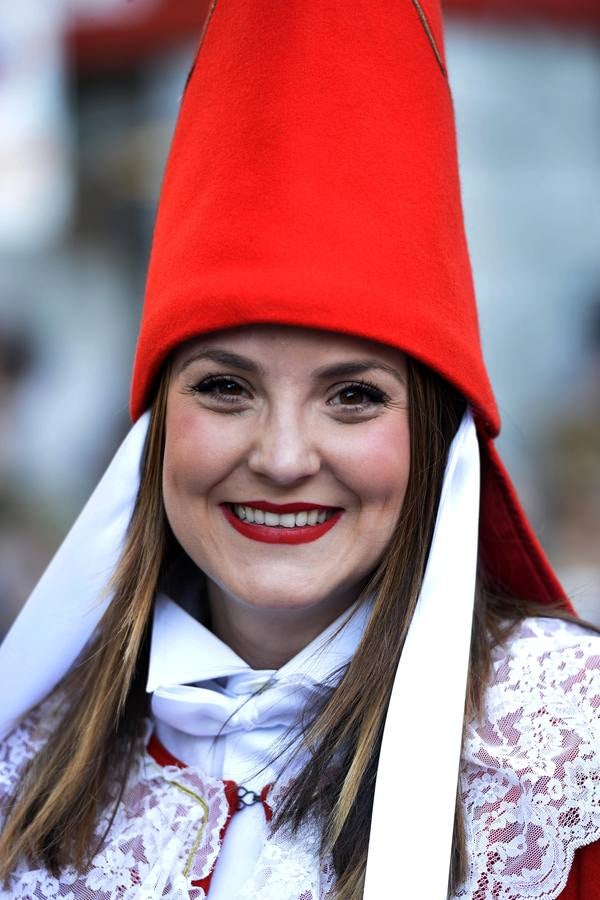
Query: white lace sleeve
(165, 835)
(530, 778)
(20, 746)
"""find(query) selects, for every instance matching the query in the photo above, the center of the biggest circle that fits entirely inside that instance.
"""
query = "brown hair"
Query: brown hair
(95, 742)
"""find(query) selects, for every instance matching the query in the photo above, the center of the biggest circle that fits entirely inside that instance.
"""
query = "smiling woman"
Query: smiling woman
(290, 455)
(304, 601)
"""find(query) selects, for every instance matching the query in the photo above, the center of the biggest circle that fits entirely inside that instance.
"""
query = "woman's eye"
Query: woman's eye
(220, 388)
(352, 396)
(357, 397)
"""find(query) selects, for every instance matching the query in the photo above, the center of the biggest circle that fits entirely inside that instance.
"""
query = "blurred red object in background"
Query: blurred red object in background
(567, 12)
(117, 42)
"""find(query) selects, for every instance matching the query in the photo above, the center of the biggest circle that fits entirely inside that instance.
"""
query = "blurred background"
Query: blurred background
(89, 91)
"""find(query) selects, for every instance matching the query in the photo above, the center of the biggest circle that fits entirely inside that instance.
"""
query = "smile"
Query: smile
(290, 523)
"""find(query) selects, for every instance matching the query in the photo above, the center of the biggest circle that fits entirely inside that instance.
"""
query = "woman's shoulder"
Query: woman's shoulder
(547, 667)
(554, 658)
(538, 635)
(530, 778)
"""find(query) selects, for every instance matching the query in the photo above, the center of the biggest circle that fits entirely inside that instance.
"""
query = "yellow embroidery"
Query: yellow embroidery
(430, 36)
(196, 844)
(200, 42)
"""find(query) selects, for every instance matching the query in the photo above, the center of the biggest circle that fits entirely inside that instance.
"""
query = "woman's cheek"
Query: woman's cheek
(201, 445)
(377, 461)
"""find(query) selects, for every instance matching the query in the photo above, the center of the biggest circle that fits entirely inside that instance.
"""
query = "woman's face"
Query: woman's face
(286, 461)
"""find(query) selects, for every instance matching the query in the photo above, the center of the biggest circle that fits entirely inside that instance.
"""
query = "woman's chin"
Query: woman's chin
(281, 595)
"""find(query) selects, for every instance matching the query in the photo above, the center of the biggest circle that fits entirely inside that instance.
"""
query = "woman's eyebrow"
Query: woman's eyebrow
(357, 367)
(224, 358)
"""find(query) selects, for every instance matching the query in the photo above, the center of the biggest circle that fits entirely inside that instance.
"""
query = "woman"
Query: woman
(268, 700)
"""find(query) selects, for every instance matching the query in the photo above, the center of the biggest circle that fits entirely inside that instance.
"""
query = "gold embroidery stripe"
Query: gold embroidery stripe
(430, 36)
(200, 42)
(198, 838)
(207, 22)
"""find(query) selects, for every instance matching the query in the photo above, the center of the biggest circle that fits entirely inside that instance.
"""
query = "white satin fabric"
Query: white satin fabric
(423, 729)
(69, 600)
(232, 720)
(70, 597)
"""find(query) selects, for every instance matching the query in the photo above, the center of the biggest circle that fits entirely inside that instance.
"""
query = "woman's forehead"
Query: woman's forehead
(264, 341)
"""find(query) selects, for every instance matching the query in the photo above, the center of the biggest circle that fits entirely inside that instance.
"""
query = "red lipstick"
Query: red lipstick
(278, 534)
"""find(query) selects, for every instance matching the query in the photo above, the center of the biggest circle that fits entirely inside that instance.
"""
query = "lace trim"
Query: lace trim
(530, 777)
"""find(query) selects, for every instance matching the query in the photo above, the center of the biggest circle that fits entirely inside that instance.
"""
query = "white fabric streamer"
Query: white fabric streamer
(409, 847)
(71, 597)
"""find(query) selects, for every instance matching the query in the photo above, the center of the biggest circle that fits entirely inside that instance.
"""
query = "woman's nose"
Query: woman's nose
(284, 450)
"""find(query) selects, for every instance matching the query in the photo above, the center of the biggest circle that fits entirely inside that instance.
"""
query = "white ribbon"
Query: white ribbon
(415, 793)
(70, 597)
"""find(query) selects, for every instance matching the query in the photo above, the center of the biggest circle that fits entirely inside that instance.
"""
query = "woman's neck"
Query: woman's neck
(267, 638)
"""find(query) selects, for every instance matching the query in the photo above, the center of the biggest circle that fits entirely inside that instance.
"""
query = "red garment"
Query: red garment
(584, 877)
(313, 181)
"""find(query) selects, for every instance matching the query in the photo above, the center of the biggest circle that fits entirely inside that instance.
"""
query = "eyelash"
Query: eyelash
(210, 387)
(373, 393)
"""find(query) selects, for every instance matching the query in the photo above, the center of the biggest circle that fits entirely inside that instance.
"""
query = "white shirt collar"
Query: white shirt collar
(184, 651)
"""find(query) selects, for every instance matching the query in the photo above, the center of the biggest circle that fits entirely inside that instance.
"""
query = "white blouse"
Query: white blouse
(529, 783)
(212, 711)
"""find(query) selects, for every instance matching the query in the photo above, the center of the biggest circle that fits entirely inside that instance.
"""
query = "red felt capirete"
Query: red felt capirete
(313, 181)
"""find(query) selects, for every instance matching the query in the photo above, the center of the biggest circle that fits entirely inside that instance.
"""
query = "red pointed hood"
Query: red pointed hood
(313, 181)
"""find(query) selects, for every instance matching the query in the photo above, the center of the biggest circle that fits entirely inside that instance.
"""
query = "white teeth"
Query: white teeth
(287, 520)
